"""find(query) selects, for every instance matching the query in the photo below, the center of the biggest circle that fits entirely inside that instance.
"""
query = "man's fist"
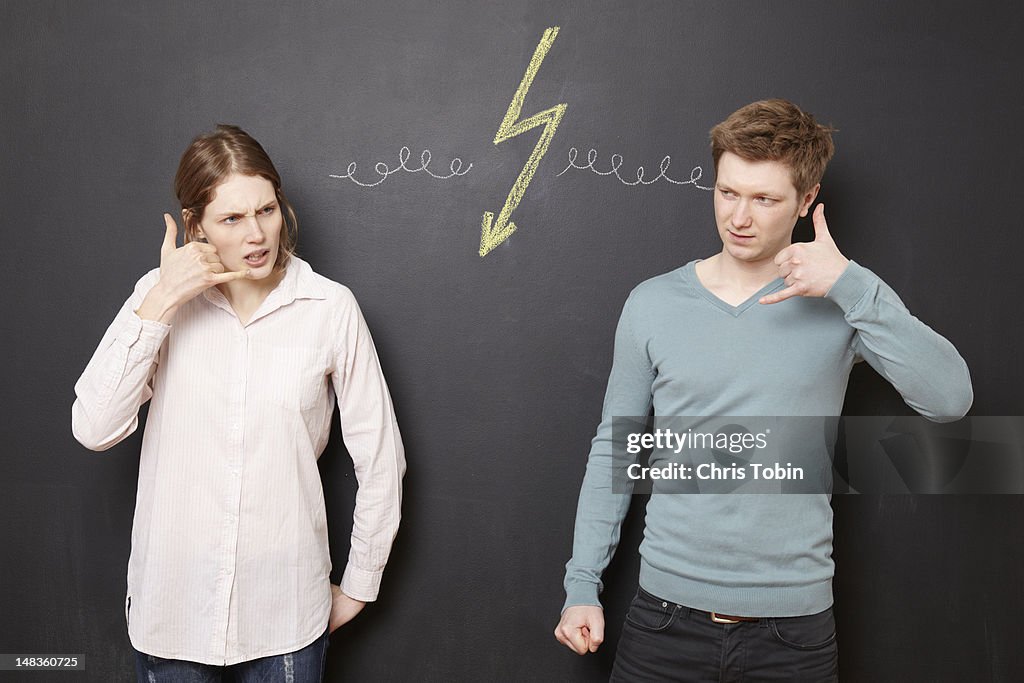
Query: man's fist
(581, 628)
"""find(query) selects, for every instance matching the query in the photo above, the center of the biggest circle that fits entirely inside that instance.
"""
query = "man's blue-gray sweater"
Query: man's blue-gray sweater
(685, 352)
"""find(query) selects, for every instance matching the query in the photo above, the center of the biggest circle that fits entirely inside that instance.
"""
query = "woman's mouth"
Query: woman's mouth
(257, 258)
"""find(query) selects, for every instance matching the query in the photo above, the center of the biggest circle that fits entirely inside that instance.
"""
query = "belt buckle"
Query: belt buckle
(722, 620)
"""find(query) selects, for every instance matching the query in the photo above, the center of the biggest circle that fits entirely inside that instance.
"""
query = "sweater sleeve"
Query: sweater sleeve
(600, 511)
(923, 365)
(116, 382)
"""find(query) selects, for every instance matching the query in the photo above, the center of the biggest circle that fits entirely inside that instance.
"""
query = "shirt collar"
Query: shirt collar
(299, 282)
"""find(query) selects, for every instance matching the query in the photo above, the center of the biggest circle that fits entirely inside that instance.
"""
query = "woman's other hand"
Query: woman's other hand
(343, 608)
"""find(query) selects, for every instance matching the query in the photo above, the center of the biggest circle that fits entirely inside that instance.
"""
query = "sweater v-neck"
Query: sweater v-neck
(689, 274)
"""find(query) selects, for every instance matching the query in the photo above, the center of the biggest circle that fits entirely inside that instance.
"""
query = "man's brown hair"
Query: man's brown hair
(776, 130)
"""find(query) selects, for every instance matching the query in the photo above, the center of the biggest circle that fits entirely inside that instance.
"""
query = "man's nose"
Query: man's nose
(741, 214)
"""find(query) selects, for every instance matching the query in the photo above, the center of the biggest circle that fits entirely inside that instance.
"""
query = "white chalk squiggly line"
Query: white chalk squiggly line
(695, 173)
(383, 170)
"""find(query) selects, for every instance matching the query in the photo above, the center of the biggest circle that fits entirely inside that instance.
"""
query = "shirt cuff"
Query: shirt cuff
(361, 584)
(851, 286)
(142, 337)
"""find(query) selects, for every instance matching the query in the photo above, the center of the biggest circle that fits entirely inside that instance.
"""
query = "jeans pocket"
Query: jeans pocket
(326, 637)
(812, 632)
(650, 613)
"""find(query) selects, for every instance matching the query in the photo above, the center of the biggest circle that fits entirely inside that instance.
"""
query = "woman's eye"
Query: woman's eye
(267, 210)
(231, 220)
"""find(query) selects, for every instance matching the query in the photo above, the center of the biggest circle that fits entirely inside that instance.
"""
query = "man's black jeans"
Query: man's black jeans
(663, 641)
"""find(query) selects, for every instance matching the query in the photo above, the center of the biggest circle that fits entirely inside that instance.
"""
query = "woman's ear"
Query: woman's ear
(192, 229)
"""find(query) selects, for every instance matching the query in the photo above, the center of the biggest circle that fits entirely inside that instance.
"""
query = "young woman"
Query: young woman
(241, 349)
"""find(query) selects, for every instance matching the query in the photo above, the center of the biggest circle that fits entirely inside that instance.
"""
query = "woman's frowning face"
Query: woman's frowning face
(243, 221)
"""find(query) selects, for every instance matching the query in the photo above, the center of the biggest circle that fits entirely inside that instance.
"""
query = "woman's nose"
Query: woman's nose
(256, 232)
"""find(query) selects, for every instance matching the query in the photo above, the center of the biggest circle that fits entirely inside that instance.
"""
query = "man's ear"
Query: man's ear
(808, 199)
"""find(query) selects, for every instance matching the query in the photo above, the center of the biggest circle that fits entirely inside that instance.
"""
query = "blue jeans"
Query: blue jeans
(663, 641)
(302, 666)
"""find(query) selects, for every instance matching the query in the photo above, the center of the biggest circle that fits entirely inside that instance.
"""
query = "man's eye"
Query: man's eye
(231, 220)
(267, 210)
(766, 201)
(727, 194)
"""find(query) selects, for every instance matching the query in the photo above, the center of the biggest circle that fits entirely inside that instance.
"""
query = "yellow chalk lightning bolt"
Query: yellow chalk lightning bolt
(494, 232)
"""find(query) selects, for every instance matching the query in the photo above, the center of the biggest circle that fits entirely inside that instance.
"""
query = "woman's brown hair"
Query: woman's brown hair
(208, 162)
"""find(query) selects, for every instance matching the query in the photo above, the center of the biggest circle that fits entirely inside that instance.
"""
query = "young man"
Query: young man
(740, 586)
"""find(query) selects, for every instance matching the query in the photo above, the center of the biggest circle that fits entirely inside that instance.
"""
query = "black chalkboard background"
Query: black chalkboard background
(498, 364)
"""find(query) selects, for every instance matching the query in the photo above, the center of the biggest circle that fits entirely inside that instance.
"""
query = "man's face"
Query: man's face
(756, 207)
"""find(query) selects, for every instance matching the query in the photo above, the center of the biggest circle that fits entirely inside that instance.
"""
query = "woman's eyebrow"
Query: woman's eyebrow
(239, 212)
